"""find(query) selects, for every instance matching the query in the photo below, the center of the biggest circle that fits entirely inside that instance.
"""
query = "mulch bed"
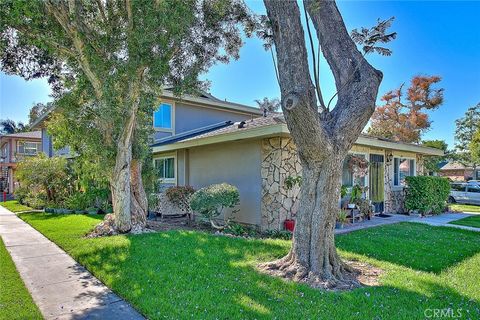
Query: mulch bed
(176, 223)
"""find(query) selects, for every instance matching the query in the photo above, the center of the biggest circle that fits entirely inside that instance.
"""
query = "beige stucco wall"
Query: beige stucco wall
(235, 163)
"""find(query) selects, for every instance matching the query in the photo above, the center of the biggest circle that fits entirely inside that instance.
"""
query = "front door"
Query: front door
(377, 181)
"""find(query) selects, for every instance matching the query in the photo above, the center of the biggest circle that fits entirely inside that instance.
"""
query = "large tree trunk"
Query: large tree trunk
(323, 139)
(121, 177)
(313, 256)
(139, 204)
(120, 185)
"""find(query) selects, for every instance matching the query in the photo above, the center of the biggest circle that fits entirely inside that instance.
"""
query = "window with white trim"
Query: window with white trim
(402, 167)
(163, 116)
(165, 167)
(28, 148)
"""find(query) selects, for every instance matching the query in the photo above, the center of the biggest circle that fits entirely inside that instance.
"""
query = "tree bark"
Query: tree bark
(120, 184)
(139, 204)
(322, 140)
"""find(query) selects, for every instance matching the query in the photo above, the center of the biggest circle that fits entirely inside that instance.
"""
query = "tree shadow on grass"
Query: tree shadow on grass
(181, 274)
(186, 274)
(413, 245)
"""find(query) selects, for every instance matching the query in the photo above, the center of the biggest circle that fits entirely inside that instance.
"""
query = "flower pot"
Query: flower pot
(289, 225)
(339, 225)
(351, 206)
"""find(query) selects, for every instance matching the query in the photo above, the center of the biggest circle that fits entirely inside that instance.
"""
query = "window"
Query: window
(347, 174)
(474, 188)
(28, 148)
(165, 168)
(458, 187)
(162, 118)
(402, 168)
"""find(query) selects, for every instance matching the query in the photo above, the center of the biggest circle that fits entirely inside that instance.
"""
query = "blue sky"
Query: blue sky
(434, 38)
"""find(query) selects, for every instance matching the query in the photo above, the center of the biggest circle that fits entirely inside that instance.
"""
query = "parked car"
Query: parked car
(468, 193)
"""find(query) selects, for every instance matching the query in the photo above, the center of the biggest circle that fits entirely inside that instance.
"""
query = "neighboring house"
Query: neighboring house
(456, 171)
(13, 148)
(201, 140)
(258, 154)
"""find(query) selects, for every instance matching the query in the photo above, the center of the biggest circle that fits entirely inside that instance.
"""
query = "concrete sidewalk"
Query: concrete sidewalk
(444, 219)
(61, 288)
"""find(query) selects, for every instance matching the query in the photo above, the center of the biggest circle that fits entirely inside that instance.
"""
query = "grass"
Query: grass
(14, 206)
(473, 221)
(465, 208)
(15, 301)
(180, 274)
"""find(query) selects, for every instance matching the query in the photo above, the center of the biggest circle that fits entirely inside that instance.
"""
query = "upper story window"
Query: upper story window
(28, 148)
(402, 167)
(163, 116)
(165, 167)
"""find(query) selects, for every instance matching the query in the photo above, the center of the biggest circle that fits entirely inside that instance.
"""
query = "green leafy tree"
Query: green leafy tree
(475, 147)
(431, 164)
(466, 128)
(107, 62)
(37, 110)
(9, 126)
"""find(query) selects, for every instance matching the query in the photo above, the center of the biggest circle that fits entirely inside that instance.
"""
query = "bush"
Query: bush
(426, 194)
(241, 230)
(44, 180)
(180, 196)
(210, 201)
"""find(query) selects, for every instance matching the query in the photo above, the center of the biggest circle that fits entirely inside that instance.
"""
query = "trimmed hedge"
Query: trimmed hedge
(426, 194)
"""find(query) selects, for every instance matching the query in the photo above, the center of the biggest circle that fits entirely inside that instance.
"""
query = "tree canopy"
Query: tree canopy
(403, 116)
(108, 63)
(466, 128)
(9, 126)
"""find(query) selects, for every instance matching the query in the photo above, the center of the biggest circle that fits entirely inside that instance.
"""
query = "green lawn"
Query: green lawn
(465, 208)
(180, 274)
(14, 206)
(15, 301)
(473, 221)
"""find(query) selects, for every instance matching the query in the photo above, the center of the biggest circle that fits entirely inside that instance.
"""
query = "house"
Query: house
(257, 154)
(201, 140)
(456, 171)
(13, 148)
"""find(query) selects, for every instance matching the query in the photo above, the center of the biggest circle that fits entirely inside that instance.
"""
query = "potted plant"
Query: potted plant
(342, 219)
(355, 196)
(365, 208)
(289, 224)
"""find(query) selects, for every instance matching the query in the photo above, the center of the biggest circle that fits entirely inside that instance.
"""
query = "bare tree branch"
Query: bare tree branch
(315, 74)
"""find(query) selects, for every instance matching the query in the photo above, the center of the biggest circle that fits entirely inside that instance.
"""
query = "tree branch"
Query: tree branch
(344, 59)
(299, 102)
(315, 74)
(59, 11)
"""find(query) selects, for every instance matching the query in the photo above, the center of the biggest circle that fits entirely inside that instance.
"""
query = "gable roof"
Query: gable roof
(454, 165)
(24, 135)
(273, 125)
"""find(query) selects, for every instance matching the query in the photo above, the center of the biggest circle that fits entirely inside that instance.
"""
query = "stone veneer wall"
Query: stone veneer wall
(279, 161)
(394, 199)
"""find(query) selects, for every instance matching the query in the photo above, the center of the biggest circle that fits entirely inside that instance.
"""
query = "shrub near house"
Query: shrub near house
(426, 194)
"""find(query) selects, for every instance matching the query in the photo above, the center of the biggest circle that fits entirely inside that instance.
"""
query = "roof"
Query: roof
(24, 135)
(273, 125)
(203, 99)
(454, 165)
